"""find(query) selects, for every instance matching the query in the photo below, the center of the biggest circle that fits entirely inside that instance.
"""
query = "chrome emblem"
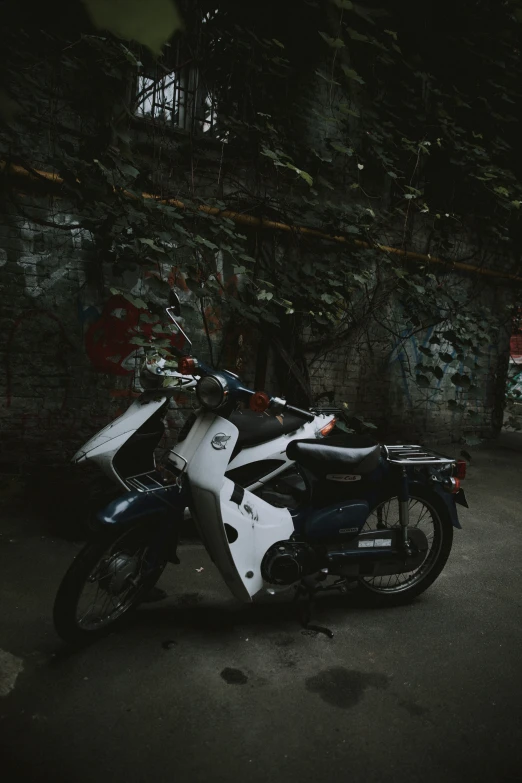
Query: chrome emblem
(220, 440)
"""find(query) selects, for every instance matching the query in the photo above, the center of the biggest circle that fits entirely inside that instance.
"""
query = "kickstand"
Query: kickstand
(304, 600)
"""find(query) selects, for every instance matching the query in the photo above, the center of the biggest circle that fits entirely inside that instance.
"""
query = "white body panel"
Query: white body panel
(276, 449)
(258, 524)
(103, 447)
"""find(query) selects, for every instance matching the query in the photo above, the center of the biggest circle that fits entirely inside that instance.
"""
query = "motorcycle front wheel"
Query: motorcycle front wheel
(427, 512)
(107, 580)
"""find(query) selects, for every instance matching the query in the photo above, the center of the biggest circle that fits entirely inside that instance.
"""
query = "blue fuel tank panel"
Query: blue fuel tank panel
(336, 522)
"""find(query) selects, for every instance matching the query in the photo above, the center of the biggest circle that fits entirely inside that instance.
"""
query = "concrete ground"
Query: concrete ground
(201, 689)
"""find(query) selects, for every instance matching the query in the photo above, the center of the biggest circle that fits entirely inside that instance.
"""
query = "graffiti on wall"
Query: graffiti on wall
(407, 354)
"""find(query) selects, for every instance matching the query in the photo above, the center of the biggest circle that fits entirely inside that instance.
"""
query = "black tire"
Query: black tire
(70, 591)
(443, 539)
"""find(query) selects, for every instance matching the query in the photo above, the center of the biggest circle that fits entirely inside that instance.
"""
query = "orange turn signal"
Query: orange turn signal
(259, 402)
(328, 427)
(186, 365)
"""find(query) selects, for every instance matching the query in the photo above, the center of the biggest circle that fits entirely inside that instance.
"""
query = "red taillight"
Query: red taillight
(456, 486)
(451, 485)
(328, 427)
(186, 365)
(259, 402)
(460, 471)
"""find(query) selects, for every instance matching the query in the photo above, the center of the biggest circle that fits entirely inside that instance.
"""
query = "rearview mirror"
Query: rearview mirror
(173, 311)
(174, 303)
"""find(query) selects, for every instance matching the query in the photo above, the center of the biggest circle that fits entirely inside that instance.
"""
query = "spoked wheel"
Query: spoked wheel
(427, 513)
(108, 579)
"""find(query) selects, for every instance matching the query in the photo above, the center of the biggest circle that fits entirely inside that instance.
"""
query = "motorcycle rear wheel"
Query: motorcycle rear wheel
(115, 562)
(428, 512)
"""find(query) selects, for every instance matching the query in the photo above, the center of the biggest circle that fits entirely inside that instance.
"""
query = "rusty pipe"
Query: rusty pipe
(255, 222)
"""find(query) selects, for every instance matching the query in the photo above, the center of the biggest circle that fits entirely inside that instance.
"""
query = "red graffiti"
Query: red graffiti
(108, 341)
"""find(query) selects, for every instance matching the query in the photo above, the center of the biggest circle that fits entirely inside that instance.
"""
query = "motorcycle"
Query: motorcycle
(379, 518)
(125, 449)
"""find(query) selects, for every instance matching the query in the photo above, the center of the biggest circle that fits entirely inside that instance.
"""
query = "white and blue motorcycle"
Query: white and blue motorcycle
(128, 447)
(379, 518)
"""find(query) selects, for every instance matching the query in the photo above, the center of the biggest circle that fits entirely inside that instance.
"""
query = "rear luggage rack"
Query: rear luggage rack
(152, 481)
(415, 455)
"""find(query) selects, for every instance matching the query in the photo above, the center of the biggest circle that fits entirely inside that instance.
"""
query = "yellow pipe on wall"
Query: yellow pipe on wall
(249, 220)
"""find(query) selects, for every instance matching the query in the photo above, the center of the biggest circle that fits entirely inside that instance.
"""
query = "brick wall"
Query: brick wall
(69, 368)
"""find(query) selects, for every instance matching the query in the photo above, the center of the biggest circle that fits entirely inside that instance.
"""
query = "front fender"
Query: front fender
(129, 508)
(165, 506)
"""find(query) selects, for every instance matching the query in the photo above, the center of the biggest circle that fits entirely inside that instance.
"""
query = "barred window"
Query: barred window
(178, 97)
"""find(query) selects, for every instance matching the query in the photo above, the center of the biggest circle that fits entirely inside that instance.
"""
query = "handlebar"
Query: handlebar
(193, 366)
(299, 412)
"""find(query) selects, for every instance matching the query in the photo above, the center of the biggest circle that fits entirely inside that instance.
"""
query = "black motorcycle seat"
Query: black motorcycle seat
(255, 428)
(332, 455)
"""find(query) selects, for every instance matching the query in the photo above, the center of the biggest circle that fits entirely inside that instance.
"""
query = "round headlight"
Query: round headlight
(212, 391)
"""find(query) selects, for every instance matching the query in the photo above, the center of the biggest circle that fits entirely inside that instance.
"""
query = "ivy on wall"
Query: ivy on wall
(328, 113)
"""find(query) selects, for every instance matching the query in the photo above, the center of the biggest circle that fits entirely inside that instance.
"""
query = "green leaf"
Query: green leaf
(351, 74)
(136, 301)
(425, 351)
(151, 23)
(202, 241)
(355, 36)
(438, 372)
(139, 341)
(446, 357)
(128, 170)
(328, 298)
(281, 46)
(307, 178)
(335, 43)
(422, 381)
(460, 380)
(341, 148)
(151, 244)
(268, 295)
(392, 174)
(165, 343)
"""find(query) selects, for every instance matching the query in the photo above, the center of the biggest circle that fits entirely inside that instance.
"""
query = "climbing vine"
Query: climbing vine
(329, 114)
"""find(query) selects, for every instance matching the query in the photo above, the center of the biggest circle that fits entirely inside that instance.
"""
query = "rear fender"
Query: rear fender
(446, 497)
(449, 500)
(166, 507)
